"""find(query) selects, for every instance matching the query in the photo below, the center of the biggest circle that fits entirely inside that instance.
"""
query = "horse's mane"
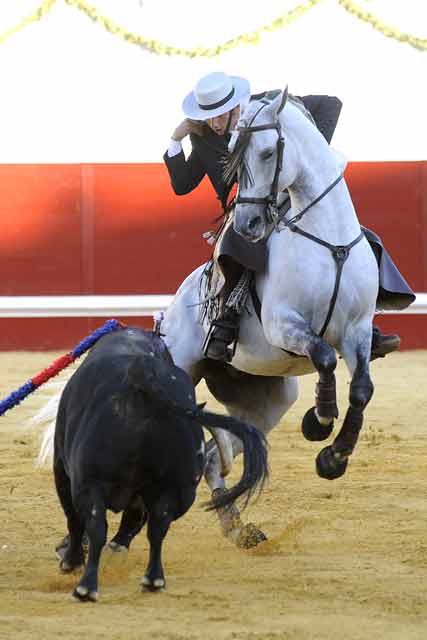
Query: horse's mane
(236, 159)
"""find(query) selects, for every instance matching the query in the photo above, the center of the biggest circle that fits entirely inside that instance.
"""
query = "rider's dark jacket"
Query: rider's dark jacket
(209, 149)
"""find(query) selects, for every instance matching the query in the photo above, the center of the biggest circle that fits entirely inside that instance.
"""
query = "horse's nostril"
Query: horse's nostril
(254, 222)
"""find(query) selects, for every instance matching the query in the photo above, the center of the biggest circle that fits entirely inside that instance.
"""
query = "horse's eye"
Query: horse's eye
(267, 154)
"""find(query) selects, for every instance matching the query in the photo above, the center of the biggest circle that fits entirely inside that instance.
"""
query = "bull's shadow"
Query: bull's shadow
(129, 438)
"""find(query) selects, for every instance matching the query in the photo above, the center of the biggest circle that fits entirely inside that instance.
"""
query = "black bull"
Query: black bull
(129, 438)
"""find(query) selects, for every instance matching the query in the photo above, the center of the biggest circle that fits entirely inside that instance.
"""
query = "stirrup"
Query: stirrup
(229, 346)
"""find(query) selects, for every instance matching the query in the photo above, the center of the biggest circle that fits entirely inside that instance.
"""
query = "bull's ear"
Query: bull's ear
(283, 101)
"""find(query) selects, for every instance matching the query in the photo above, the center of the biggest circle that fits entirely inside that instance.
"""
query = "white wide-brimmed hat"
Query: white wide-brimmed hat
(215, 94)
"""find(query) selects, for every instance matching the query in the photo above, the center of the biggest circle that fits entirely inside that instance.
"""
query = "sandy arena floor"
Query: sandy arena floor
(344, 559)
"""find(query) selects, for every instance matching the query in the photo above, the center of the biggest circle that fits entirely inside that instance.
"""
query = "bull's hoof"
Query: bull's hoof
(314, 430)
(62, 546)
(153, 585)
(250, 536)
(82, 594)
(116, 547)
(329, 466)
(67, 565)
(60, 553)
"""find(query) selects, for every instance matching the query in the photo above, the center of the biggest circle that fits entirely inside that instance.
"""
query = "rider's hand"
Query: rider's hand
(187, 126)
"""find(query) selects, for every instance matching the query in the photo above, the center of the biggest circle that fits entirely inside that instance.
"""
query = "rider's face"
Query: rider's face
(219, 124)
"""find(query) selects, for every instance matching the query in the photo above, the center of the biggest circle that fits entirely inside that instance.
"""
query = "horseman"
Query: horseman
(212, 110)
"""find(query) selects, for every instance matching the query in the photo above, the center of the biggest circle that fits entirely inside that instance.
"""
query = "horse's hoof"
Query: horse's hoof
(250, 536)
(82, 594)
(314, 430)
(328, 466)
(147, 584)
(229, 517)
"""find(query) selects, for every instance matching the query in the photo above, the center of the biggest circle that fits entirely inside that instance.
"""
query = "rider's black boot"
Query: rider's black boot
(222, 337)
(383, 343)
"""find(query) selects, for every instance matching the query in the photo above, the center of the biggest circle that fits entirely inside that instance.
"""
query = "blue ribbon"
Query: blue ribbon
(20, 394)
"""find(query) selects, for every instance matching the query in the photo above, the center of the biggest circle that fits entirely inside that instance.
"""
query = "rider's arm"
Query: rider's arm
(325, 111)
(185, 174)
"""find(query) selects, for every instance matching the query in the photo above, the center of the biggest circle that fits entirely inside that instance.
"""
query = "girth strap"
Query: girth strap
(340, 254)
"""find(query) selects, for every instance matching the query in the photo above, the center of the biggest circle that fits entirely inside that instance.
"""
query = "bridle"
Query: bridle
(274, 213)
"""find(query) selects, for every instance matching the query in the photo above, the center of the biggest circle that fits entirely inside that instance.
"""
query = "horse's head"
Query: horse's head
(265, 166)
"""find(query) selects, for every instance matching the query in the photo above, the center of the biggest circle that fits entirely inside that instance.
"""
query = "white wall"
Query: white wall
(71, 92)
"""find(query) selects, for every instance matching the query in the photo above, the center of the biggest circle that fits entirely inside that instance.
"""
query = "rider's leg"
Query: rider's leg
(383, 343)
(225, 328)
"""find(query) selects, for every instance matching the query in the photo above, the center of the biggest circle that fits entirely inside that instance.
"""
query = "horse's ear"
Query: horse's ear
(279, 103)
(283, 101)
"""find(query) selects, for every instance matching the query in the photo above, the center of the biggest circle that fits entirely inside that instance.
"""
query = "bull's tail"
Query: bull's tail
(255, 465)
(173, 389)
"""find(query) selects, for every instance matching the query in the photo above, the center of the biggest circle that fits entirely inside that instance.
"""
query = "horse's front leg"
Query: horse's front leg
(286, 329)
(332, 461)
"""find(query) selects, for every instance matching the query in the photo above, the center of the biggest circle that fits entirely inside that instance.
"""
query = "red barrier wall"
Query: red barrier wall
(119, 229)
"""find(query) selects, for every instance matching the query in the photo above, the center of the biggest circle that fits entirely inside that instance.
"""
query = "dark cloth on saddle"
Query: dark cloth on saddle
(394, 292)
(251, 255)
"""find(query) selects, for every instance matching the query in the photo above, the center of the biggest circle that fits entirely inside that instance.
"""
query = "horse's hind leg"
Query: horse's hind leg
(258, 400)
(332, 461)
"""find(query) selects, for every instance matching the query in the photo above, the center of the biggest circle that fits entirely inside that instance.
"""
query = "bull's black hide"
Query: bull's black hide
(129, 438)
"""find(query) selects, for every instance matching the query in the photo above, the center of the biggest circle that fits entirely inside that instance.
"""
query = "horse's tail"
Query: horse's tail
(255, 465)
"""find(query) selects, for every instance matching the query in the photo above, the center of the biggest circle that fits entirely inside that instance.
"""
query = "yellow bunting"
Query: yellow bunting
(35, 16)
(385, 29)
(162, 48)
